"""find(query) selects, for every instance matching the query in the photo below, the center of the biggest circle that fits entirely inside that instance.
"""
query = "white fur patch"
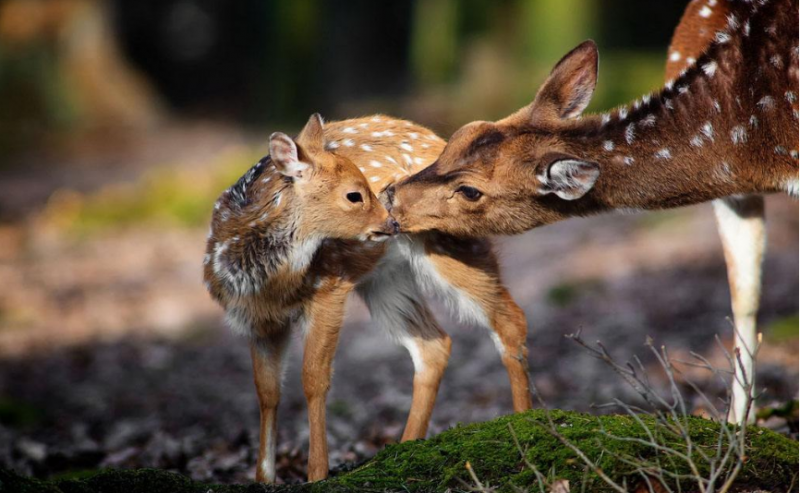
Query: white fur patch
(738, 135)
(710, 68)
(792, 187)
(663, 154)
(416, 354)
(302, 252)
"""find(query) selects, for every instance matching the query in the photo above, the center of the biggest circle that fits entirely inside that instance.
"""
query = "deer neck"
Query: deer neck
(697, 138)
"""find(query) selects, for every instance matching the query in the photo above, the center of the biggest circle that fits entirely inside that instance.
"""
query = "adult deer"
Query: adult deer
(727, 126)
(740, 219)
(303, 228)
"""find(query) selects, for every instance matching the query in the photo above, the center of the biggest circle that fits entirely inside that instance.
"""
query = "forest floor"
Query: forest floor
(113, 355)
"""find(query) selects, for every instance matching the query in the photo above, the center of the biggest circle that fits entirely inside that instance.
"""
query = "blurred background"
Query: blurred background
(122, 120)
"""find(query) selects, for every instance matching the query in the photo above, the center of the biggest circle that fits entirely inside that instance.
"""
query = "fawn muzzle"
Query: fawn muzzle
(390, 228)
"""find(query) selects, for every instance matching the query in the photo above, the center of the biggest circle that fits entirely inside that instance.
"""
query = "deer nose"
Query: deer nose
(394, 226)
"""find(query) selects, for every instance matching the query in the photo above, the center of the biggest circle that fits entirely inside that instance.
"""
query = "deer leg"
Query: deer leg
(430, 360)
(400, 309)
(267, 354)
(740, 222)
(323, 318)
(510, 331)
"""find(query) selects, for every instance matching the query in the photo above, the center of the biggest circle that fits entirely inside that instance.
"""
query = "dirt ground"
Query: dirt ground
(113, 355)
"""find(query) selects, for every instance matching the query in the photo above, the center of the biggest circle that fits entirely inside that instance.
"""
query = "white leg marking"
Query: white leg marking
(741, 229)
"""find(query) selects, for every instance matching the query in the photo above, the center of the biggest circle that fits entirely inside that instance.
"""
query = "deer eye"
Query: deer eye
(355, 197)
(469, 193)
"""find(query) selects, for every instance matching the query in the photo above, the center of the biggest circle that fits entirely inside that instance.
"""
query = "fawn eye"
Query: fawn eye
(469, 193)
(355, 197)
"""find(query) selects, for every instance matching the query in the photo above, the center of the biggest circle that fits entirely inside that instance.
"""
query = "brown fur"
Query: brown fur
(249, 270)
(740, 219)
(640, 156)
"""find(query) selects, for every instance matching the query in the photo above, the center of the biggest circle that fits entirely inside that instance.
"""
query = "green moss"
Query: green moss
(438, 464)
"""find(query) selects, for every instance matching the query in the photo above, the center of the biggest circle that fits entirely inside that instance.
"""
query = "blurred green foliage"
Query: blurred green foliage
(171, 196)
(784, 329)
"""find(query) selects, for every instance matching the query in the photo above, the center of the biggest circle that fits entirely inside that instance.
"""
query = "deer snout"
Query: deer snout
(389, 197)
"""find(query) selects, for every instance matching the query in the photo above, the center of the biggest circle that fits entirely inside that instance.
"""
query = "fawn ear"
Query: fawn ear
(569, 88)
(283, 152)
(570, 179)
(311, 138)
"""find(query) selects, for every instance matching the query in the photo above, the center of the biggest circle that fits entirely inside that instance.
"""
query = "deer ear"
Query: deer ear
(570, 179)
(311, 138)
(283, 152)
(569, 88)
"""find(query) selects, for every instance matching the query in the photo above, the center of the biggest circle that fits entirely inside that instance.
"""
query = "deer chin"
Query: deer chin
(376, 236)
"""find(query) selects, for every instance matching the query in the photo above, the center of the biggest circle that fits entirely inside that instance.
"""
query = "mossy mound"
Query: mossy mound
(438, 464)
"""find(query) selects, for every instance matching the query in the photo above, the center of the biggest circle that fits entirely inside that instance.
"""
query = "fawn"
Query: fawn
(726, 126)
(303, 228)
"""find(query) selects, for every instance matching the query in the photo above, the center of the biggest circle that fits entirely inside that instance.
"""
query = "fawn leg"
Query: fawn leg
(471, 278)
(267, 354)
(323, 318)
(399, 308)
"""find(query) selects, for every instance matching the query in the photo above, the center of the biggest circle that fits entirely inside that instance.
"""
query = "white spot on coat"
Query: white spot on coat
(406, 147)
(710, 68)
(674, 56)
(608, 145)
(648, 121)
(349, 130)
(708, 131)
(374, 179)
(696, 141)
(375, 164)
(738, 135)
(766, 103)
(705, 12)
(663, 154)
(630, 134)
(349, 142)
(366, 147)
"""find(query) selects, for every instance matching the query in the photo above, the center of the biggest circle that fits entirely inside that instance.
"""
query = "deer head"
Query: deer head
(331, 197)
(508, 176)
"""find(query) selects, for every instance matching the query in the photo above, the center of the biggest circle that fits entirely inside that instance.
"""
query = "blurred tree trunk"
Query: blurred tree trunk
(60, 66)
